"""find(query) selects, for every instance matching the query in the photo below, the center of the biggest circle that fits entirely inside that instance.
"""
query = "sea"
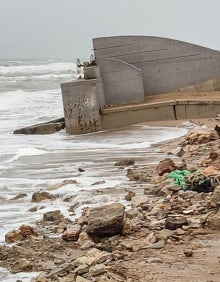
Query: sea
(30, 93)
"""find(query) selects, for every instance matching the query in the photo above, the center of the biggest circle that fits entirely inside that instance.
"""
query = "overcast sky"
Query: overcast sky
(65, 28)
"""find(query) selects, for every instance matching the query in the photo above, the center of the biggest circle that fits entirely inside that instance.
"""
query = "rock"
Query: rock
(132, 213)
(13, 236)
(154, 260)
(40, 278)
(81, 279)
(87, 245)
(97, 269)
(188, 253)
(129, 196)
(166, 165)
(106, 221)
(174, 187)
(81, 169)
(212, 169)
(21, 265)
(213, 221)
(199, 137)
(127, 227)
(19, 196)
(43, 128)
(54, 216)
(139, 174)
(158, 245)
(41, 196)
(81, 269)
(71, 234)
(216, 196)
(163, 234)
(124, 162)
(27, 231)
(138, 201)
(98, 182)
(59, 185)
(173, 223)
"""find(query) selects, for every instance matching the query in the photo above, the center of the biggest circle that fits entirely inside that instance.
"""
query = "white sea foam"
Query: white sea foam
(40, 68)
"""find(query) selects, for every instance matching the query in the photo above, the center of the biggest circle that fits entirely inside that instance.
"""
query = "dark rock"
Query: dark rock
(124, 162)
(106, 221)
(41, 196)
(81, 169)
(19, 196)
(43, 128)
(173, 223)
(53, 216)
(188, 253)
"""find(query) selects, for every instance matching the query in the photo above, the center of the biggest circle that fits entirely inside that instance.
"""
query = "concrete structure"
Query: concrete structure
(127, 70)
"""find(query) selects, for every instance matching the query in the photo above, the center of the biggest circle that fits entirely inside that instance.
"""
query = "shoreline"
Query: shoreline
(162, 252)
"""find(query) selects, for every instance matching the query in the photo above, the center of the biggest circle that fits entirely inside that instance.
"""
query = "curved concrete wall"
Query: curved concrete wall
(167, 64)
(123, 83)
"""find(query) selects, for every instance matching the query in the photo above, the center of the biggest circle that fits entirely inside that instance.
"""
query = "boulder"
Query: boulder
(173, 223)
(41, 196)
(199, 137)
(213, 221)
(166, 165)
(71, 234)
(43, 128)
(13, 236)
(106, 221)
(139, 201)
(54, 216)
(27, 231)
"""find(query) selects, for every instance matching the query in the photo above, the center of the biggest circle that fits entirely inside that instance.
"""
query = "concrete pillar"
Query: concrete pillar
(82, 102)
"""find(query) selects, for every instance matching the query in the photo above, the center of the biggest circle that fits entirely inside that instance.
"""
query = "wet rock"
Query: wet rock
(13, 236)
(98, 183)
(43, 128)
(124, 162)
(41, 196)
(138, 201)
(59, 185)
(22, 265)
(139, 174)
(19, 196)
(173, 223)
(54, 216)
(106, 221)
(165, 166)
(129, 196)
(81, 169)
(71, 234)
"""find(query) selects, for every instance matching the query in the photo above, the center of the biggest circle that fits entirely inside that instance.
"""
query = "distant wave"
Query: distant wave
(37, 68)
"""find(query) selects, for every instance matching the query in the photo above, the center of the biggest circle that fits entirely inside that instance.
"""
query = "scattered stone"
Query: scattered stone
(154, 260)
(22, 265)
(129, 196)
(54, 216)
(81, 169)
(124, 162)
(106, 221)
(158, 245)
(138, 201)
(71, 234)
(188, 253)
(216, 196)
(213, 221)
(173, 223)
(81, 279)
(165, 166)
(127, 227)
(27, 231)
(41, 196)
(97, 269)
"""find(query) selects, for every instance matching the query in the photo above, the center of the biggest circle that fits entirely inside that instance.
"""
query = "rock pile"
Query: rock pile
(114, 242)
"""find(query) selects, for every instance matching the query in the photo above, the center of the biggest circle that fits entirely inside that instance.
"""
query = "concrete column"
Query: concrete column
(82, 102)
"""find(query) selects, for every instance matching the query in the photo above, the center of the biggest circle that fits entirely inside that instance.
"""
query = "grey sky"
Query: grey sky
(65, 28)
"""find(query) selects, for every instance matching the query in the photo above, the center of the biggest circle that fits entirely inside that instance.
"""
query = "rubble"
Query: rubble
(162, 226)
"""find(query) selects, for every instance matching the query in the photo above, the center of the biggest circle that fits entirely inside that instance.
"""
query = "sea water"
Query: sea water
(30, 93)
